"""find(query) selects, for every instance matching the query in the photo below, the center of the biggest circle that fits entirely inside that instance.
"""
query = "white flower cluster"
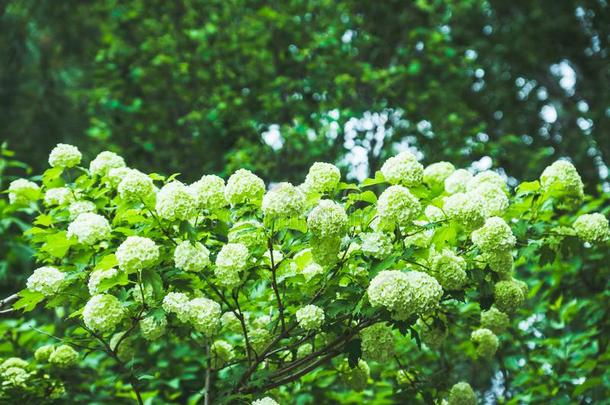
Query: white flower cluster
(403, 169)
(104, 162)
(204, 315)
(43, 353)
(89, 228)
(46, 280)
(462, 394)
(377, 342)
(264, 401)
(231, 260)
(397, 206)
(436, 173)
(174, 202)
(209, 193)
(509, 295)
(494, 320)
(136, 253)
(465, 209)
(376, 244)
(80, 207)
(486, 342)
(405, 293)
(153, 327)
(115, 176)
(449, 269)
(96, 277)
(244, 187)
(486, 178)
(64, 156)
(310, 317)
(311, 270)
(250, 233)
(494, 236)
(563, 179)
(102, 313)
(457, 181)
(499, 261)
(356, 378)
(136, 186)
(177, 303)
(22, 192)
(494, 199)
(58, 196)
(592, 227)
(64, 356)
(222, 353)
(284, 201)
(328, 219)
(13, 373)
(322, 178)
(191, 256)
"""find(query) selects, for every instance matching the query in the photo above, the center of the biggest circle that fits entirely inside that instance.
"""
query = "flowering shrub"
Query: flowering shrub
(274, 284)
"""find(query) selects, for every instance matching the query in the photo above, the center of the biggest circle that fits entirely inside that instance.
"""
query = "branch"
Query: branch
(208, 376)
(274, 285)
(9, 300)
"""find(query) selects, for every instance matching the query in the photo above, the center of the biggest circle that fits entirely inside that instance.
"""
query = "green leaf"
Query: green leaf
(152, 278)
(367, 196)
(28, 301)
(528, 187)
(57, 245)
(353, 349)
(52, 177)
(107, 262)
(119, 279)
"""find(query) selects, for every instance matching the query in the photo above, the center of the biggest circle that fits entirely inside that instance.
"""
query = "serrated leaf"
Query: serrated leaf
(28, 301)
(58, 244)
(107, 262)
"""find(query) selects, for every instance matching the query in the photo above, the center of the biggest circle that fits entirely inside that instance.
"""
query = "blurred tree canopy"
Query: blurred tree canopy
(209, 86)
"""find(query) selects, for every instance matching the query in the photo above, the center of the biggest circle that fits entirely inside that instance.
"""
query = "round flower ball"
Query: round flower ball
(46, 280)
(310, 317)
(136, 186)
(377, 342)
(449, 269)
(80, 207)
(494, 320)
(592, 227)
(563, 179)
(115, 176)
(500, 261)
(222, 353)
(58, 196)
(486, 342)
(65, 156)
(264, 401)
(244, 187)
(436, 174)
(230, 261)
(495, 235)
(397, 206)
(177, 303)
(64, 356)
(508, 296)
(153, 327)
(322, 178)
(494, 199)
(174, 202)
(190, 256)
(136, 253)
(13, 362)
(486, 177)
(466, 209)
(89, 228)
(104, 162)
(458, 181)
(43, 353)
(204, 315)
(403, 169)
(22, 192)
(356, 378)
(376, 244)
(96, 278)
(250, 233)
(327, 219)
(102, 313)
(462, 394)
(209, 193)
(283, 201)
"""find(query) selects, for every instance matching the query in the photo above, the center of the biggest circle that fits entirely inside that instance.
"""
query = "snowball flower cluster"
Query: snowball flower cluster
(405, 293)
(64, 356)
(377, 342)
(115, 176)
(96, 277)
(103, 312)
(222, 352)
(310, 317)
(209, 193)
(494, 320)
(136, 186)
(495, 235)
(204, 315)
(327, 219)
(449, 269)
(376, 244)
(562, 178)
(230, 322)
(356, 378)
(284, 201)
(153, 327)
(462, 394)
(486, 342)
(265, 401)
(104, 162)
(136, 253)
(232, 259)
(592, 227)
(457, 181)
(260, 339)
(80, 207)
(43, 353)
(46, 280)
(499, 261)
(396, 205)
(89, 228)
(15, 377)
(436, 173)
(251, 233)
(465, 209)
(64, 156)
(58, 196)
(403, 169)
(177, 303)
(494, 199)
(312, 270)
(244, 187)
(174, 202)
(190, 256)
(22, 192)
(322, 178)
(13, 362)
(509, 295)
(486, 178)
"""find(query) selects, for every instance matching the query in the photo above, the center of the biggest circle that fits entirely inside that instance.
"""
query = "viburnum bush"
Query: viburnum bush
(268, 285)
